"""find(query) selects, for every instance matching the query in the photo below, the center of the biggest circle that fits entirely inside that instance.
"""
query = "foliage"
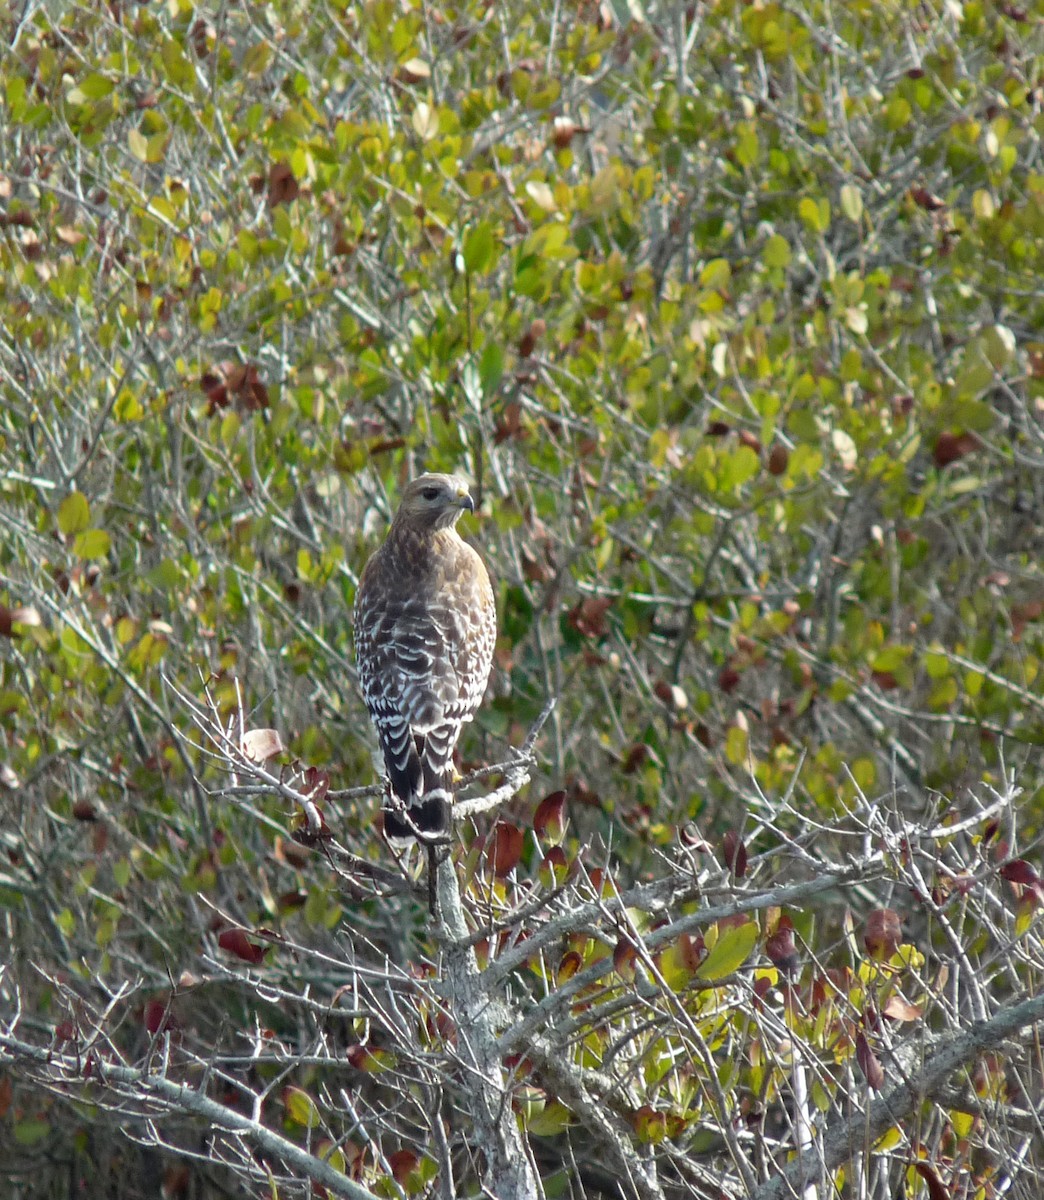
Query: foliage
(733, 314)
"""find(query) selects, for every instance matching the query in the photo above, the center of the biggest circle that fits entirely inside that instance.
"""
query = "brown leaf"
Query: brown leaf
(23, 615)
(1023, 615)
(402, 1163)
(509, 423)
(899, 1009)
(624, 955)
(508, 841)
(949, 447)
(779, 457)
(882, 932)
(671, 694)
(527, 343)
(588, 617)
(568, 967)
(869, 1063)
(926, 200)
(261, 744)
(282, 186)
(69, 235)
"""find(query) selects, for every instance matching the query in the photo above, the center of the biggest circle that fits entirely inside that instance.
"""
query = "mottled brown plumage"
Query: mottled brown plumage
(425, 625)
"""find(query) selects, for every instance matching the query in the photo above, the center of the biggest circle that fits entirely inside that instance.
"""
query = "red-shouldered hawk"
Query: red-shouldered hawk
(425, 625)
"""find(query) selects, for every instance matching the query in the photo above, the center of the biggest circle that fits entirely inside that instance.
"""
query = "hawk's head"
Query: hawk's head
(434, 501)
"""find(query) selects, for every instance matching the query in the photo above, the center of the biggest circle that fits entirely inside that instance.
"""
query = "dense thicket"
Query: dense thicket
(733, 313)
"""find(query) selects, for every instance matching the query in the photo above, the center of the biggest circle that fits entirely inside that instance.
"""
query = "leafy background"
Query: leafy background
(732, 313)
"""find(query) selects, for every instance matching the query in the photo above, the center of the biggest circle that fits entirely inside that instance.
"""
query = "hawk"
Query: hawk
(425, 625)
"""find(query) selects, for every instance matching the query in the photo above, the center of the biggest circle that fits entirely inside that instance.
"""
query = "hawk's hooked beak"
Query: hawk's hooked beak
(465, 501)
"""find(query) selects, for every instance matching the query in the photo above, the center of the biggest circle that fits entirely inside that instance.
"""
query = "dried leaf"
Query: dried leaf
(261, 744)
(869, 1063)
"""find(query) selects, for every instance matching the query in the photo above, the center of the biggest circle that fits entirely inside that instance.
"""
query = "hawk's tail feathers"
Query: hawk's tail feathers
(429, 814)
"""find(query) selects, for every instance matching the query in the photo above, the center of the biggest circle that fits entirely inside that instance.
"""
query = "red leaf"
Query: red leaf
(781, 948)
(734, 853)
(236, 942)
(689, 835)
(554, 870)
(869, 1064)
(728, 678)
(549, 818)
(937, 1190)
(66, 1031)
(507, 848)
(1017, 870)
(158, 1017)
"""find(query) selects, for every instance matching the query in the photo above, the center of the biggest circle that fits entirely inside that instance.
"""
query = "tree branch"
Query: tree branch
(63, 1069)
(863, 1128)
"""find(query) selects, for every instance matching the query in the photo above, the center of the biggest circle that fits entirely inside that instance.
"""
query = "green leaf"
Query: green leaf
(165, 575)
(554, 1118)
(94, 87)
(31, 1131)
(479, 249)
(729, 952)
(300, 1107)
(74, 513)
(491, 367)
(777, 251)
(891, 658)
(92, 543)
(815, 213)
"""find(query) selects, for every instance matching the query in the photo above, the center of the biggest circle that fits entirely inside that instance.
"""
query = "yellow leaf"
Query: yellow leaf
(139, 145)
(541, 194)
(74, 513)
(425, 121)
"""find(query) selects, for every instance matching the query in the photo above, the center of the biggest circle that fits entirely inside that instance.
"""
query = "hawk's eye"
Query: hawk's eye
(430, 493)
